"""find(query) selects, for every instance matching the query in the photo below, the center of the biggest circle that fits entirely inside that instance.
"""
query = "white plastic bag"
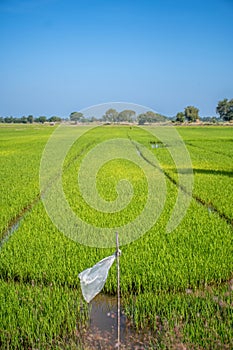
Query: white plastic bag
(93, 279)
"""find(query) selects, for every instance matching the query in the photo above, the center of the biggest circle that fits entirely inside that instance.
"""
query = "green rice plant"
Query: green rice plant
(163, 275)
(38, 316)
(192, 319)
(21, 149)
(212, 155)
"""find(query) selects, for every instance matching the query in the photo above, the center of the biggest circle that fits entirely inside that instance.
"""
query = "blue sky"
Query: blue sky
(60, 56)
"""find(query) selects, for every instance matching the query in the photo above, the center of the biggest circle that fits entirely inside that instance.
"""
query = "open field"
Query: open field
(177, 285)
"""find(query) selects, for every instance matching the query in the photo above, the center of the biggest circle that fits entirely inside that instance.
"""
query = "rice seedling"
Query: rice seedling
(177, 285)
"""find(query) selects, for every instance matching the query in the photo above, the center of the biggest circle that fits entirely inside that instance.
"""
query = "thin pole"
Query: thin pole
(118, 293)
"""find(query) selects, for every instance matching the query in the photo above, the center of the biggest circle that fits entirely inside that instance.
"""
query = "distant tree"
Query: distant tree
(54, 119)
(191, 113)
(225, 109)
(222, 108)
(150, 117)
(213, 119)
(1, 120)
(141, 119)
(23, 120)
(9, 119)
(155, 117)
(126, 115)
(76, 116)
(230, 110)
(180, 117)
(84, 120)
(93, 119)
(30, 119)
(41, 119)
(111, 115)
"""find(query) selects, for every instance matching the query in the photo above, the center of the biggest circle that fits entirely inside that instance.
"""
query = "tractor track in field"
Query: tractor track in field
(207, 150)
(209, 206)
(14, 223)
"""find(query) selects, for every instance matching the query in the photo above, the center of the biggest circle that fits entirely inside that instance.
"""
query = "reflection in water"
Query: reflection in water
(103, 315)
(102, 330)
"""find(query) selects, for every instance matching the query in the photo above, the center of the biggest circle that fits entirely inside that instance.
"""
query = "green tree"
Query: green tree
(141, 119)
(30, 119)
(41, 119)
(225, 109)
(153, 117)
(126, 115)
(54, 119)
(111, 115)
(230, 110)
(150, 117)
(9, 119)
(23, 120)
(191, 113)
(76, 116)
(180, 117)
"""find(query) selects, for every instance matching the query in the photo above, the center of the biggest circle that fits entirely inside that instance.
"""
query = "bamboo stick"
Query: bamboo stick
(118, 293)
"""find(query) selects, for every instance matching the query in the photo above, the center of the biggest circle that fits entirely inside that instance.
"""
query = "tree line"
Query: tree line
(110, 116)
(191, 114)
(30, 119)
(127, 115)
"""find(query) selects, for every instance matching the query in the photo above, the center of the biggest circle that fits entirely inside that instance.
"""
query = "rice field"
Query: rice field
(177, 286)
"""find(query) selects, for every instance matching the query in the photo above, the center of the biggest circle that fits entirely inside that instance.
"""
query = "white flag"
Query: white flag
(93, 279)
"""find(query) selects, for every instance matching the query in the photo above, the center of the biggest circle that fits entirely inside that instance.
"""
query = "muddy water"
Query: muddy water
(102, 330)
